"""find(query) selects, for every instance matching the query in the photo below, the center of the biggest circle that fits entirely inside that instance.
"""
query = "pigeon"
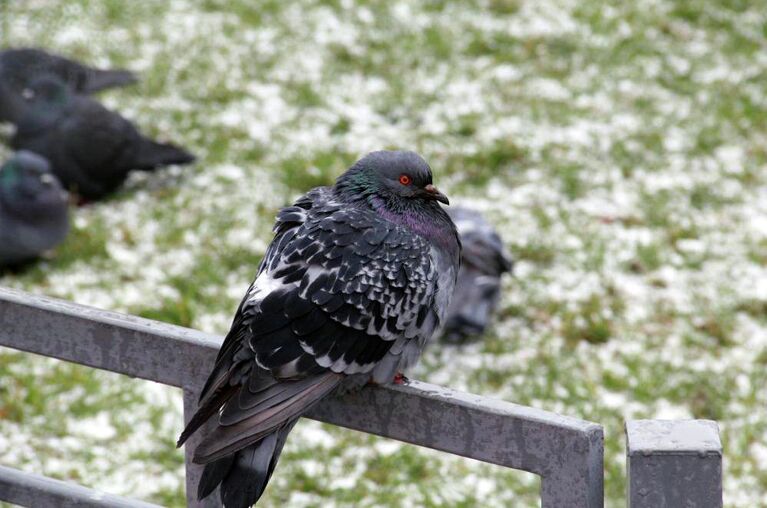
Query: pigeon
(356, 280)
(483, 261)
(33, 209)
(19, 67)
(12, 104)
(91, 148)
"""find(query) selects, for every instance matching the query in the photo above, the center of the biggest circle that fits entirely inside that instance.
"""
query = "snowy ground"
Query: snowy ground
(620, 150)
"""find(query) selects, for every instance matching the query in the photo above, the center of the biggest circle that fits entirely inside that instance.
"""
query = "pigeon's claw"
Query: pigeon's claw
(400, 379)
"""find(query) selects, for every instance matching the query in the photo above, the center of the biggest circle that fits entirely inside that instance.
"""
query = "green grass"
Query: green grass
(618, 147)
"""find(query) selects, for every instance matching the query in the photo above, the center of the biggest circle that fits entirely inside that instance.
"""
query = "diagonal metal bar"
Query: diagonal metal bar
(566, 452)
(29, 489)
(120, 343)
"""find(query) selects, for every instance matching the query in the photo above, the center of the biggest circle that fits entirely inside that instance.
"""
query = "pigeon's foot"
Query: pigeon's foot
(400, 379)
(79, 201)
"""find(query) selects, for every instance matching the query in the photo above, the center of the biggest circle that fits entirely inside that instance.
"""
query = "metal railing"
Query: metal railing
(566, 452)
(669, 463)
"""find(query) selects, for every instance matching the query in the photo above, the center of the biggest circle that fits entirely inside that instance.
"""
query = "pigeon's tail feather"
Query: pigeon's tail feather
(244, 475)
(152, 155)
(244, 422)
(102, 79)
(208, 408)
(212, 476)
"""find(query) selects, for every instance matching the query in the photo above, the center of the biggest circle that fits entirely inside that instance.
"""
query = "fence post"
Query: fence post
(193, 471)
(576, 480)
(673, 463)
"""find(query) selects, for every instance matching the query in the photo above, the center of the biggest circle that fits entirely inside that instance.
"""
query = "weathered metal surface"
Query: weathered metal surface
(29, 489)
(673, 463)
(129, 345)
(566, 452)
(194, 471)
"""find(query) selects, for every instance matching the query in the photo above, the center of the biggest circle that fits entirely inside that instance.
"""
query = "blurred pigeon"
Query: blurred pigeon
(12, 104)
(33, 209)
(353, 285)
(90, 148)
(483, 261)
(19, 67)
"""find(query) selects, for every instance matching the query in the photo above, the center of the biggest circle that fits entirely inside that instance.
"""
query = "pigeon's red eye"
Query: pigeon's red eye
(405, 180)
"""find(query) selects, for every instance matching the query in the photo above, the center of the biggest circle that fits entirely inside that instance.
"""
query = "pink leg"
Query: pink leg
(400, 379)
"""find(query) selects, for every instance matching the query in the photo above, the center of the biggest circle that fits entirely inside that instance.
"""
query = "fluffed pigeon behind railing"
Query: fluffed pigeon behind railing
(483, 261)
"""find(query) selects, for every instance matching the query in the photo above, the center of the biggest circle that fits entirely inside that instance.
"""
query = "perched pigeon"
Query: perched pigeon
(356, 280)
(33, 209)
(483, 261)
(90, 148)
(19, 67)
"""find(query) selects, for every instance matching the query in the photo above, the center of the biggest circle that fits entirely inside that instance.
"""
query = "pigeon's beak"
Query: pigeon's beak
(433, 193)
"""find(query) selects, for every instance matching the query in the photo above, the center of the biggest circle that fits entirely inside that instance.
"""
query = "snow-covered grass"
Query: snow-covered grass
(618, 146)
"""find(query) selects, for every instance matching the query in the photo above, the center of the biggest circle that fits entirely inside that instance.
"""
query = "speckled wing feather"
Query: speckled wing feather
(349, 271)
(340, 291)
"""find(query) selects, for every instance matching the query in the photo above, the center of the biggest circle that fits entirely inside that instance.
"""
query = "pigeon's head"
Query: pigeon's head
(45, 97)
(28, 188)
(46, 89)
(399, 178)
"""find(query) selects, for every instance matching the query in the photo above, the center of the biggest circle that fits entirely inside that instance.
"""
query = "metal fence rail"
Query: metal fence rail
(28, 489)
(566, 452)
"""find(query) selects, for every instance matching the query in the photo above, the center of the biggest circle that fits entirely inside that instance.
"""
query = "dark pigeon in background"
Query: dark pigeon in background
(33, 209)
(91, 148)
(477, 293)
(19, 67)
(356, 280)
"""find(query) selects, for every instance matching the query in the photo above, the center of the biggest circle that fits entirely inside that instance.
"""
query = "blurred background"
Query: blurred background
(619, 149)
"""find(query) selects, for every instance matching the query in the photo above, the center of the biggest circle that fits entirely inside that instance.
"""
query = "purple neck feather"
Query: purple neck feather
(417, 222)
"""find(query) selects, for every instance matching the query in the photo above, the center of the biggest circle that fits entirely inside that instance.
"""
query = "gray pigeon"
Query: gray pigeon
(19, 67)
(91, 149)
(483, 261)
(33, 209)
(356, 280)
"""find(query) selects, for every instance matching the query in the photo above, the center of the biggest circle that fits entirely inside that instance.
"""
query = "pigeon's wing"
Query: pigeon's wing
(354, 283)
(96, 136)
(338, 290)
(99, 141)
